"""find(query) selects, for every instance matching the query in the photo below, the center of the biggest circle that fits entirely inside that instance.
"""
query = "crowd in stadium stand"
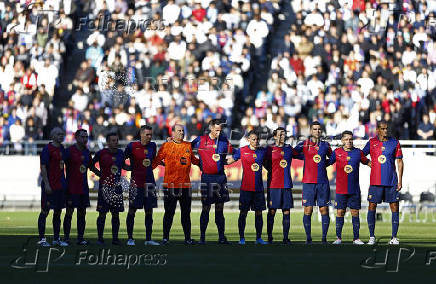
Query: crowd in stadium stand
(344, 63)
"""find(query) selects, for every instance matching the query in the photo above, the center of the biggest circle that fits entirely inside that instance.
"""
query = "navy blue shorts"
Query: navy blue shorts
(78, 200)
(254, 200)
(279, 198)
(316, 194)
(54, 200)
(103, 206)
(214, 189)
(352, 201)
(379, 194)
(143, 199)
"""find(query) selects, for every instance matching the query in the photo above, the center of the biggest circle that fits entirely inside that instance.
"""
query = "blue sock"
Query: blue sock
(67, 226)
(148, 226)
(56, 225)
(130, 222)
(371, 222)
(81, 223)
(220, 222)
(395, 223)
(115, 227)
(259, 225)
(269, 225)
(100, 226)
(325, 219)
(41, 224)
(307, 226)
(356, 227)
(204, 220)
(241, 224)
(339, 225)
(286, 225)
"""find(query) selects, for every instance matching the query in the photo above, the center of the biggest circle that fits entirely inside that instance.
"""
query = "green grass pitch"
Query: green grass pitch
(214, 263)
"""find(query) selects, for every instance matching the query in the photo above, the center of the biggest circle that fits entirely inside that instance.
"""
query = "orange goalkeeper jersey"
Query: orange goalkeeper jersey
(178, 158)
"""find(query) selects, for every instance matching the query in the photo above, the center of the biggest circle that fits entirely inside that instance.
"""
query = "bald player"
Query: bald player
(178, 158)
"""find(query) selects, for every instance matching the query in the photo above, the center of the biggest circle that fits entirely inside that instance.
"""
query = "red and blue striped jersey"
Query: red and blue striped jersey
(212, 153)
(77, 163)
(383, 155)
(141, 158)
(252, 162)
(279, 166)
(53, 159)
(347, 169)
(314, 170)
(110, 165)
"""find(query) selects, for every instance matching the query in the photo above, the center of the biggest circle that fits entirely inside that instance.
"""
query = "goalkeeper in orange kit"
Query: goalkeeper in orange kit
(178, 157)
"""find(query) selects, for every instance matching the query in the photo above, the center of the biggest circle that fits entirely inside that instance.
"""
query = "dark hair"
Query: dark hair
(315, 123)
(346, 132)
(77, 133)
(215, 121)
(111, 134)
(145, 127)
(380, 122)
(278, 129)
(253, 132)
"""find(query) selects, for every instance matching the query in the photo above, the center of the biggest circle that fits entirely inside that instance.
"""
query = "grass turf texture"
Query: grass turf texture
(217, 263)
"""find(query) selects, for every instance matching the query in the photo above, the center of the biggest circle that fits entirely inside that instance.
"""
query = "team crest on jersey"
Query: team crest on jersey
(114, 159)
(383, 148)
(283, 163)
(282, 153)
(348, 158)
(146, 162)
(61, 164)
(183, 161)
(255, 167)
(214, 146)
(145, 151)
(382, 159)
(187, 150)
(216, 157)
(82, 169)
(348, 169)
(254, 156)
(114, 169)
(317, 158)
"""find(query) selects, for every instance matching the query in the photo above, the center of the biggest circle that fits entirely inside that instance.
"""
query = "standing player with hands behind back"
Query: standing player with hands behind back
(384, 184)
(251, 195)
(348, 159)
(141, 154)
(212, 150)
(111, 161)
(316, 188)
(78, 161)
(53, 186)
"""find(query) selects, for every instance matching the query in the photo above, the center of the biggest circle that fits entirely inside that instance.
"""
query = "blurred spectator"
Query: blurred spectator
(425, 129)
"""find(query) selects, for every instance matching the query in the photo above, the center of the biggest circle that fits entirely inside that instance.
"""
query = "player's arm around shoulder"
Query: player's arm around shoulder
(364, 160)
(160, 156)
(194, 159)
(236, 155)
(93, 162)
(332, 159)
